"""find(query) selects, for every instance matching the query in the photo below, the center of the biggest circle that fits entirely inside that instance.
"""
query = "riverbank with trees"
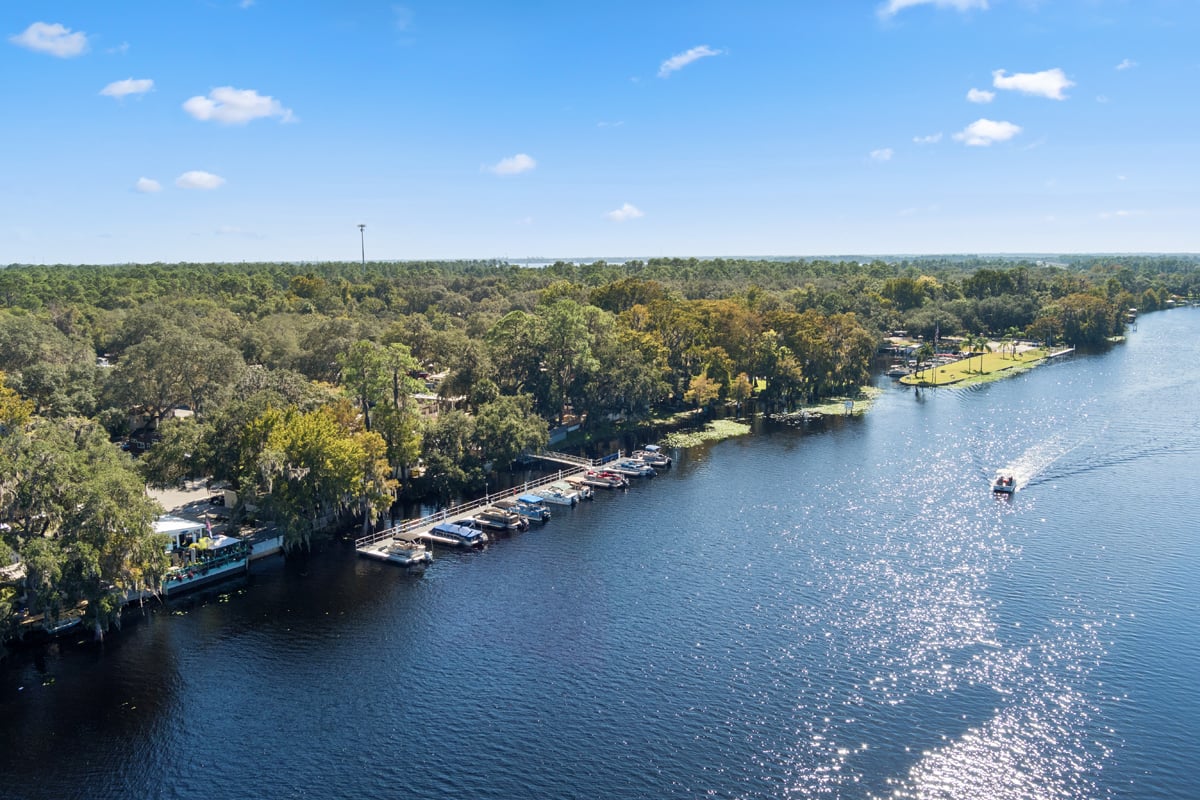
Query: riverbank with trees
(324, 394)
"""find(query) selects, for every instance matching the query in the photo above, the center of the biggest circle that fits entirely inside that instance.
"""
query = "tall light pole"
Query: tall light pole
(362, 241)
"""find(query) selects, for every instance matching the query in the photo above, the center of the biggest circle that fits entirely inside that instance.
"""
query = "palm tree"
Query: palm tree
(979, 341)
(924, 354)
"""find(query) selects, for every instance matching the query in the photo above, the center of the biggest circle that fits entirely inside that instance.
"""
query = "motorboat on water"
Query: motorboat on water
(1004, 484)
(580, 485)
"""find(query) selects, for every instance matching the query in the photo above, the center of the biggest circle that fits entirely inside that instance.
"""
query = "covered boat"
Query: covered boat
(652, 455)
(463, 532)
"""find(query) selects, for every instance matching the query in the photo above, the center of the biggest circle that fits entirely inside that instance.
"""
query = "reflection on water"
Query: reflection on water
(842, 611)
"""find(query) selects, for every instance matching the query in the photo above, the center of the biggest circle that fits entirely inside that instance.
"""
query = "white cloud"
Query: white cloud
(1127, 63)
(681, 60)
(198, 179)
(1047, 83)
(513, 165)
(119, 89)
(624, 213)
(54, 39)
(231, 106)
(1120, 214)
(147, 186)
(984, 132)
(603, 124)
(932, 138)
(980, 96)
(893, 7)
(882, 154)
(402, 18)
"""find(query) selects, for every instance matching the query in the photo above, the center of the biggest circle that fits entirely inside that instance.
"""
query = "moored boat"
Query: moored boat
(632, 469)
(552, 494)
(500, 519)
(529, 506)
(602, 479)
(653, 456)
(463, 532)
(579, 485)
(208, 560)
(405, 552)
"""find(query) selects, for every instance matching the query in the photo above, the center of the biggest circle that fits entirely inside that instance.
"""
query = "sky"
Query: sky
(269, 130)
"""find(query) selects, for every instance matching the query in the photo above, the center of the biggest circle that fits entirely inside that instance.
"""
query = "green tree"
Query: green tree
(507, 427)
(702, 391)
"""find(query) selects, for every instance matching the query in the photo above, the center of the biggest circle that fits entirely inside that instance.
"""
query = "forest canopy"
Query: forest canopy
(332, 390)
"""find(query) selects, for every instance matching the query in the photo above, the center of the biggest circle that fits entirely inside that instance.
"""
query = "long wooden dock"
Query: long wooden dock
(421, 528)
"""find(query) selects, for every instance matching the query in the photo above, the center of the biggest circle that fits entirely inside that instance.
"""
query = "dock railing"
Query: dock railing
(415, 525)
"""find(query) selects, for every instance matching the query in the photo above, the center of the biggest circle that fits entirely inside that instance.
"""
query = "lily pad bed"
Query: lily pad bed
(712, 431)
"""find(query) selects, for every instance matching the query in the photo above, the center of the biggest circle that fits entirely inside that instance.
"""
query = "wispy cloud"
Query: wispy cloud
(604, 124)
(1047, 83)
(681, 60)
(402, 18)
(230, 106)
(147, 186)
(1127, 63)
(513, 165)
(882, 154)
(893, 7)
(985, 132)
(1120, 214)
(52, 38)
(980, 96)
(932, 138)
(625, 213)
(119, 89)
(198, 179)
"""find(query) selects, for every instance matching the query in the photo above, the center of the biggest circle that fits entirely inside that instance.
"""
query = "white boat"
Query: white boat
(631, 468)
(605, 480)
(495, 518)
(550, 494)
(898, 370)
(529, 506)
(1004, 484)
(579, 485)
(405, 552)
(464, 532)
(653, 456)
(211, 559)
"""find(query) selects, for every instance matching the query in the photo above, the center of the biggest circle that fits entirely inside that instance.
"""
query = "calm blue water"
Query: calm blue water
(840, 612)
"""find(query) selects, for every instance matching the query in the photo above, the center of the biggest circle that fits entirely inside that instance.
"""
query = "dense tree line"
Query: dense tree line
(300, 385)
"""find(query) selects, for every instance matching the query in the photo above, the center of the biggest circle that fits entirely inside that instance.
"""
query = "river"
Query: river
(842, 610)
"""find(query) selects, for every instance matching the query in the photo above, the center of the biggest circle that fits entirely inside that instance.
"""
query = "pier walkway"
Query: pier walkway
(421, 528)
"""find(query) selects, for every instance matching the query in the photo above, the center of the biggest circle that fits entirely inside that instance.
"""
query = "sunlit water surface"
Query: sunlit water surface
(842, 611)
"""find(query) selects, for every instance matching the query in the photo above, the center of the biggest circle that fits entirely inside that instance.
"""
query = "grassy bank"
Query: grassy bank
(989, 366)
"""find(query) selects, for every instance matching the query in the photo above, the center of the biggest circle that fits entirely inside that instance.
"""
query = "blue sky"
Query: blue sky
(230, 130)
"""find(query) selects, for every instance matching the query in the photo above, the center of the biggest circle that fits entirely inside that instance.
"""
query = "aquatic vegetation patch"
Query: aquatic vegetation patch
(712, 431)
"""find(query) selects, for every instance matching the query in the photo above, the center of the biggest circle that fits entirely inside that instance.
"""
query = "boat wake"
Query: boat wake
(1036, 462)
